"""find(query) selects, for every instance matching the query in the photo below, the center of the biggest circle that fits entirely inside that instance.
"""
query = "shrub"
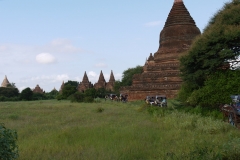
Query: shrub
(8, 146)
(97, 100)
(77, 97)
(88, 99)
(100, 109)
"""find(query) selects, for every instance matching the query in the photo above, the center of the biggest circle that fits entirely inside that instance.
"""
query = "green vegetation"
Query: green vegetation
(127, 77)
(210, 57)
(8, 146)
(113, 130)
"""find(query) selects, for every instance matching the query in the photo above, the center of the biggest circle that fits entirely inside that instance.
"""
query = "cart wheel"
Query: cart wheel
(231, 119)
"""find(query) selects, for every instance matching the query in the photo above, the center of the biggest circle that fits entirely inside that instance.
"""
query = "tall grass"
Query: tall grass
(111, 130)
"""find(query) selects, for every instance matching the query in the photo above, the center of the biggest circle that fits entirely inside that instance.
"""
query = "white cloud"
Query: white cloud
(61, 46)
(93, 76)
(100, 65)
(62, 77)
(153, 24)
(45, 58)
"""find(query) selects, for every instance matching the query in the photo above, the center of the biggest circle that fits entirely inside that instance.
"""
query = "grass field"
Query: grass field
(61, 130)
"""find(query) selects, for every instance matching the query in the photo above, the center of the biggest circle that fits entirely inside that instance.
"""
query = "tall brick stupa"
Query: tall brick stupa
(161, 72)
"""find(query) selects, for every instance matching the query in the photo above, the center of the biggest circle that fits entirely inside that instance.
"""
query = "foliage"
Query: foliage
(217, 89)
(217, 48)
(8, 146)
(128, 75)
(90, 92)
(11, 85)
(38, 96)
(51, 95)
(88, 99)
(72, 83)
(77, 97)
(101, 92)
(68, 90)
(26, 94)
(117, 86)
(9, 92)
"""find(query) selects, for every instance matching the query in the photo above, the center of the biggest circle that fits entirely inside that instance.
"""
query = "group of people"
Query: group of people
(159, 101)
(113, 97)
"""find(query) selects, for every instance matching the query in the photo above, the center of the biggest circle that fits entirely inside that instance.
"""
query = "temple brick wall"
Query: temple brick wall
(161, 72)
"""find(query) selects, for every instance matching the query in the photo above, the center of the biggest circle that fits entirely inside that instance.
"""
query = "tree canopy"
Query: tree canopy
(128, 75)
(213, 56)
(217, 48)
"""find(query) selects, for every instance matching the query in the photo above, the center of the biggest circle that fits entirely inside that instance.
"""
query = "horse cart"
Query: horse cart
(232, 111)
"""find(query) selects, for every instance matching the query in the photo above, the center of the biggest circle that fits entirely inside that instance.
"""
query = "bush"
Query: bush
(8, 146)
(77, 97)
(88, 99)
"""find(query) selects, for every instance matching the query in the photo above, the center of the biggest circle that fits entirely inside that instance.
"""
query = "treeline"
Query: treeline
(13, 94)
(69, 92)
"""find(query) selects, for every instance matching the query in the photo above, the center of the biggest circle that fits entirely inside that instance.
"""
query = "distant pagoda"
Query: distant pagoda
(5, 82)
(101, 82)
(161, 72)
(85, 84)
(37, 89)
(111, 82)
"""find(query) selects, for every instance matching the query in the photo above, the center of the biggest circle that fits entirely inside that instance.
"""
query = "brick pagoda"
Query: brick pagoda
(85, 84)
(161, 73)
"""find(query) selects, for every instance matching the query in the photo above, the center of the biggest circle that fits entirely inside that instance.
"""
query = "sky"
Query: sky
(46, 42)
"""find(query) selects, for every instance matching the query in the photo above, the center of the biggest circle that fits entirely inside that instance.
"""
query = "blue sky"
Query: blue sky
(47, 41)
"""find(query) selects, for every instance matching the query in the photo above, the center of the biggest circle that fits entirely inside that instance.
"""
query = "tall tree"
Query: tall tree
(128, 75)
(216, 51)
(217, 48)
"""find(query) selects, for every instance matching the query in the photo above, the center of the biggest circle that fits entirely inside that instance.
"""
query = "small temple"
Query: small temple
(161, 72)
(5, 82)
(111, 82)
(101, 83)
(85, 84)
(37, 89)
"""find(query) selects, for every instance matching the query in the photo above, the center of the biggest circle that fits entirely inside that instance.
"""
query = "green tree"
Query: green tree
(8, 146)
(91, 92)
(72, 83)
(26, 94)
(117, 86)
(216, 90)
(217, 48)
(9, 92)
(68, 90)
(128, 75)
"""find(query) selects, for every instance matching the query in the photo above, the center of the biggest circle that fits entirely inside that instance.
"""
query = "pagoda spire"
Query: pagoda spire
(85, 78)
(5, 82)
(101, 77)
(177, 1)
(179, 15)
(112, 79)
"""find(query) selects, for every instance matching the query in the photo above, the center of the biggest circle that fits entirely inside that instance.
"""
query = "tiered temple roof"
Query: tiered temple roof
(37, 89)
(111, 82)
(85, 84)
(101, 82)
(5, 82)
(161, 74)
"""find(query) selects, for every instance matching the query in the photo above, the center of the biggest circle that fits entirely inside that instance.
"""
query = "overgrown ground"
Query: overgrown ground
(61, 130)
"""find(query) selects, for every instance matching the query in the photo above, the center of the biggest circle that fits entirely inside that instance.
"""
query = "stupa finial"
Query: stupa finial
(177, 1)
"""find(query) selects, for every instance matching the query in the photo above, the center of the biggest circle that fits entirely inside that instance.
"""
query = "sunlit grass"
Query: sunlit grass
(112, 130)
